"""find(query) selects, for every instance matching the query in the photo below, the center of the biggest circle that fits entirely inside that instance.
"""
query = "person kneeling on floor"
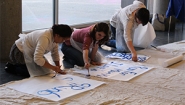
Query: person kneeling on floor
(82, 48)
(27, 54)
(123, 23)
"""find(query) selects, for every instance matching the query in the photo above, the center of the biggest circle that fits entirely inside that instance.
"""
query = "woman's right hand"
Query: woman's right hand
(95, 63)
(87, 65)
(57, 69)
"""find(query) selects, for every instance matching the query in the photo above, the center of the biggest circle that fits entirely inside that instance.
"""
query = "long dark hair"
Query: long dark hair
(100, 27)
(62, 29)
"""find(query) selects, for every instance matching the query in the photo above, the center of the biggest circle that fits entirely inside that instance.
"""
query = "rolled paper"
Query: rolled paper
(172, 61)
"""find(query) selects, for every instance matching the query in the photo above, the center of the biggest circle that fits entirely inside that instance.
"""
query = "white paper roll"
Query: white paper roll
(173, 60)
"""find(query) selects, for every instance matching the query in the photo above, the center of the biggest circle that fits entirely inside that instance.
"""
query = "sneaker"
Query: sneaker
(105, 47)
(10, 68)
(20, 70)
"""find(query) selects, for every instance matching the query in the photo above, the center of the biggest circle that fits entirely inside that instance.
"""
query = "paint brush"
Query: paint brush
(155, 47)
(88, 73)
(159, 49)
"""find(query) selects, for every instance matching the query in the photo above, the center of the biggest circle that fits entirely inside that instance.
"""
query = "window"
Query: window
(74, 12)
(38, 14)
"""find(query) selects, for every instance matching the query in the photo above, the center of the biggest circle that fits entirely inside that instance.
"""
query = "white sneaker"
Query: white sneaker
(105, 47)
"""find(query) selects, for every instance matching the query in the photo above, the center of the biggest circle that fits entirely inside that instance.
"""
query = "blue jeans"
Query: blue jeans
(111, 43)
(72, 55)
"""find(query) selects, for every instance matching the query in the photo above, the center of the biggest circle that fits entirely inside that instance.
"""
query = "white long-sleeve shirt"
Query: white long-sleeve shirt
(40, 42)
(124, 19)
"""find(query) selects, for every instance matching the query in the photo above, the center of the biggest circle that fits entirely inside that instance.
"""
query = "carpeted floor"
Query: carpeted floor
(162, 38)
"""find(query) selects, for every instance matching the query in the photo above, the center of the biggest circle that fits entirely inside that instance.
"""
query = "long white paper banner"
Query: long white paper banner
(115, 70)
(127, 56)
(58, 88)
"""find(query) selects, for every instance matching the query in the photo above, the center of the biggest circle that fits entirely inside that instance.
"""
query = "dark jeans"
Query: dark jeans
(17, 64)
(22, 70)
(16, 56)
(72, 55)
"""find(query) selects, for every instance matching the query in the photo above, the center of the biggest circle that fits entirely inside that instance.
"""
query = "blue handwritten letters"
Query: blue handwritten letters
(57, 88)
(116, 70)
(127, 56)
(61, 88)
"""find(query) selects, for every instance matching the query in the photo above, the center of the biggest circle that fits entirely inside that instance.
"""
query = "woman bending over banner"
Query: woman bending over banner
(81, 49)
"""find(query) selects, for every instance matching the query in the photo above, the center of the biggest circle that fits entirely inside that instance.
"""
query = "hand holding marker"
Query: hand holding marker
(60, 72)
(81, 68)
(87, 65)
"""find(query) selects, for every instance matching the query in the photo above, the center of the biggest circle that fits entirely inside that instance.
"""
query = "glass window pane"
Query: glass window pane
(37, 14)
(74, 12)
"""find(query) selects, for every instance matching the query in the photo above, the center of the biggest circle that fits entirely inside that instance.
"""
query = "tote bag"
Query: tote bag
(143, 35)
(158, 22)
